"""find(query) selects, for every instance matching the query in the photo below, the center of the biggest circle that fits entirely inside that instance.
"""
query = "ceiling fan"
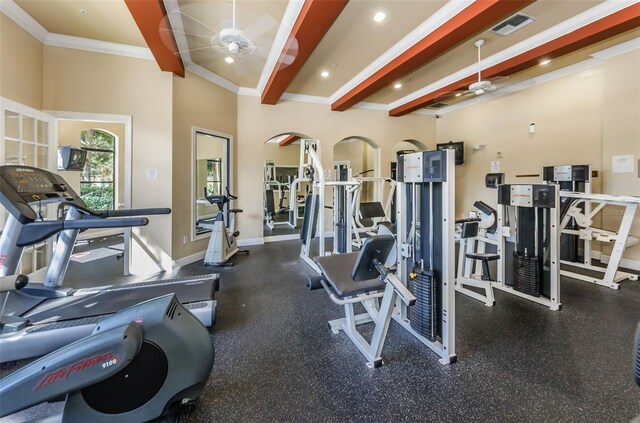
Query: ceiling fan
(481, 86)
(209, 42)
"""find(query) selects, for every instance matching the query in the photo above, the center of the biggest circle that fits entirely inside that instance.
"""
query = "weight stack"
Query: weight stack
(423, 312)
(527, 274)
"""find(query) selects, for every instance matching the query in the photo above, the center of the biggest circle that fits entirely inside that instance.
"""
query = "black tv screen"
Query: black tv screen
(457, 146)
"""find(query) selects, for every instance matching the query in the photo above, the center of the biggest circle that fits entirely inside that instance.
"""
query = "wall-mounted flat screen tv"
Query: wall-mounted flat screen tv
(457, 146)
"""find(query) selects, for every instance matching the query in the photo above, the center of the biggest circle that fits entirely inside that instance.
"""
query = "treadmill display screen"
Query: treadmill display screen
(28, 181)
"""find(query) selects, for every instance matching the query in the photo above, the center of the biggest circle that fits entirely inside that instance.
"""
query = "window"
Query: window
(97, 182)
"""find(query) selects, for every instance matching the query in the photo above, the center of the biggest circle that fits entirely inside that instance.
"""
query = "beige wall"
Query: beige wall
(69, 134)
(21, 60)
(582, 118)
(197, 102)
(288, 155)
(101, 83)
(257, 123)
(621, 135)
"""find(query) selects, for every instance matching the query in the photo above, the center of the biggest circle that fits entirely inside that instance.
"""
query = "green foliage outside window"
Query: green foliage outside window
(97, 180)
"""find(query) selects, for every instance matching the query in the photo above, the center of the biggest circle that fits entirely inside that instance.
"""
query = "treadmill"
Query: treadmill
(41, 318)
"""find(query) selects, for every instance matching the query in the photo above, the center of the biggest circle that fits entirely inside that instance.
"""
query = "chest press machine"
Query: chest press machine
(420, 297)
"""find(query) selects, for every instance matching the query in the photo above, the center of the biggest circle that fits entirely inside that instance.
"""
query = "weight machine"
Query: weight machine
(368, 215)
(421, 296)
(313, 221)
(580, 208)
(528, 221)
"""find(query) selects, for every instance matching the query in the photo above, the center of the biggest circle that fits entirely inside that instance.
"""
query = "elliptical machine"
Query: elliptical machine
(138, 364)
(222, 244)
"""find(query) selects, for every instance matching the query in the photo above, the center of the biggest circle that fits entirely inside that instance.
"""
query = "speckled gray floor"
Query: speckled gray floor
(276, 359)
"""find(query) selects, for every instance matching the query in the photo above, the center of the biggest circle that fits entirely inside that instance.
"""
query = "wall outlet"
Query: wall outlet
(185, 239)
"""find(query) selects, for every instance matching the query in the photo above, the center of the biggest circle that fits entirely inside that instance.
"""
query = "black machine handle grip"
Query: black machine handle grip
(231, 196)
(134, 212)
(468, 220)
(39, 231)
(13, 282)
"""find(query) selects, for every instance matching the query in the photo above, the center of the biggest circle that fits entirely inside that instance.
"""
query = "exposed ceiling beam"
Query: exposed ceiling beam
(607, 27)
(474, 18)
(288, 140)
(150, 16)
(313, 22)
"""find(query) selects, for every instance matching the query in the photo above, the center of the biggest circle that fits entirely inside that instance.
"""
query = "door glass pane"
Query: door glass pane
(28, 154)
(28, 128)
(43, 132)
(12, 152)
(42, 157)
(11, 124)
(98, 167)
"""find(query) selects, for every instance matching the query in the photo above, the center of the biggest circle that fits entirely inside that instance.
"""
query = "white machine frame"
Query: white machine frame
(357, 224)
(611, 276)
(318, 195)
(470, 273)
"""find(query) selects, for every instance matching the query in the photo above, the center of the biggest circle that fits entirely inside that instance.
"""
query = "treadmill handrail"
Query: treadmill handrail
(42, 230)
(134, 212)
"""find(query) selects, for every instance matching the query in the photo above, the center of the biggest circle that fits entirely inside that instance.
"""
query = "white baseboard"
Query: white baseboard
(250, 241)
(276, 238)
(188, 260)
(626, 263)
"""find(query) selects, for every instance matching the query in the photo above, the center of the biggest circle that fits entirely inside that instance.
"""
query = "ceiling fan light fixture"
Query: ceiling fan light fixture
(379, 17)
(234, 47)
(229, 59)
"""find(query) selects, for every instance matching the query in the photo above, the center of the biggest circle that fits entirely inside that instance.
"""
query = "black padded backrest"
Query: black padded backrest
(469, 230)
(375, 247)
(371, 210)
(271, 207)
(307, 225)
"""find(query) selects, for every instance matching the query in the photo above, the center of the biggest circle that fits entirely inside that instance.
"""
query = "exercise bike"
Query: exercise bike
(223, 242)
(141, 363)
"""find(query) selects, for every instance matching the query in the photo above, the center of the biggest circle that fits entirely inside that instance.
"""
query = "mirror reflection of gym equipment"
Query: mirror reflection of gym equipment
(284, 188)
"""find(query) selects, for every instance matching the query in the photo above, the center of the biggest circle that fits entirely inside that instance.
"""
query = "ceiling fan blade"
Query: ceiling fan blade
(227, 23)
(191, 19)
(260, 27)
(194, 49)
(496, 78)
(188, 34)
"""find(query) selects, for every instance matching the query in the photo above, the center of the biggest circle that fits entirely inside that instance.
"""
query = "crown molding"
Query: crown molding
(249, 92)
(23, 19)
(617, 50)
(444, 14)
(591, 15)
(97, 46)
(212, 77)
(286, 25)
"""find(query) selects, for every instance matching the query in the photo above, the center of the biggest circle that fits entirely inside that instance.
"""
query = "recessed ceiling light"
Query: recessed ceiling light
(82, 11)
(458, 95)
(397, 86)
(229, 59)
(545, 62)
(379, 17)
(324, 74)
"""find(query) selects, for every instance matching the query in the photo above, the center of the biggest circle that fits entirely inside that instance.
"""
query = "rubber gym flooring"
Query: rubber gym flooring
(276, 359)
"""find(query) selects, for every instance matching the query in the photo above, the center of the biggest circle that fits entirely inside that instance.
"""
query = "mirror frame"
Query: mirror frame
(227, 170)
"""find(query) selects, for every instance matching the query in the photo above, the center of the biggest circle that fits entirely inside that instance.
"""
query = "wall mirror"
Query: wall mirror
(211, 176)
(283, 190)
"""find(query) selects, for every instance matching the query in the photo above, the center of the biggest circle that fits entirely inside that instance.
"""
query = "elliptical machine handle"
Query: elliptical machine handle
(231, 196)
(13, 282)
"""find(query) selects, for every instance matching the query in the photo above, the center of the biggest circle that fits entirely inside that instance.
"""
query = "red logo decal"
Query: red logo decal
(3, 258)
(64, 372)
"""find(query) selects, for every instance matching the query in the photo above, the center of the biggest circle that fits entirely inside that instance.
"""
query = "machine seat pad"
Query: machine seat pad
(236, 210)
(483, 256)
(337, 268)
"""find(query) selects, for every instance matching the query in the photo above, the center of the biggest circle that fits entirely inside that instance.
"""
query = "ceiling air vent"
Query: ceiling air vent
(436, 105)
(512, 24)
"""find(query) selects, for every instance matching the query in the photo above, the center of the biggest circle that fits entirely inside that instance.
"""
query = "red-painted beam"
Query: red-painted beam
(475, 18)
(313, 22)
(150, 16)
(607, 27)
(290, 139)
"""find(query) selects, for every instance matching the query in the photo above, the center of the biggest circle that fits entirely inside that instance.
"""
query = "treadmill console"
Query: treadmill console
(22, 185)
